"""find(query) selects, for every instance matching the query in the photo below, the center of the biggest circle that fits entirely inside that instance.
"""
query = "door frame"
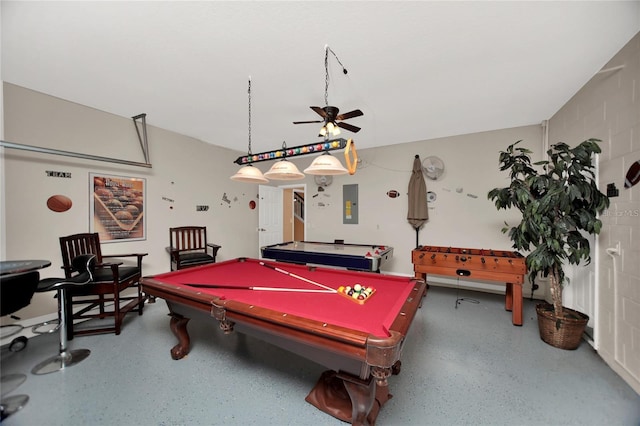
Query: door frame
(301, 187)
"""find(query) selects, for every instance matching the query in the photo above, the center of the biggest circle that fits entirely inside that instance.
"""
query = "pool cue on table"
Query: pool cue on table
(299, 290)
(275, 268)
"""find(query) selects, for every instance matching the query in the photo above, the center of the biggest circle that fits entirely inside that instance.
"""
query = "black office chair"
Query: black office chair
(16, 291)
(85, 265)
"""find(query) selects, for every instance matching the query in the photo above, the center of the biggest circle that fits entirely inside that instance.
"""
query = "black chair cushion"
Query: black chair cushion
(16, 291)
(124, 272)
(191, 258)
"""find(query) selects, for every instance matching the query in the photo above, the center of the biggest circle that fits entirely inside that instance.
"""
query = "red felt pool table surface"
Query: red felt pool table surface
(374, 316)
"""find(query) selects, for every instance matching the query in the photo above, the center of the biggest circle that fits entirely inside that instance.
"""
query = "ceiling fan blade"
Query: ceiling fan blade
(306, 122)
(320, 111)
(349, 127)
(350, 114)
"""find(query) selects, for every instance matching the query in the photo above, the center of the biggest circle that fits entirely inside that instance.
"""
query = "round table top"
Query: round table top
(18, 266)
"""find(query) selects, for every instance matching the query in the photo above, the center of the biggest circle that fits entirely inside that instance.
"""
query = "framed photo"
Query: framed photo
(117, 205)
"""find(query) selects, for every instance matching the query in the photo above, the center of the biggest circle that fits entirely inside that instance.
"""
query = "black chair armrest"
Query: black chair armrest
(214, 249)
(139, 257)
(124, 255)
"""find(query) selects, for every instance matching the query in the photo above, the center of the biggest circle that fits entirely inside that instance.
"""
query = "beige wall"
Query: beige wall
(608, 108)
(185, 173)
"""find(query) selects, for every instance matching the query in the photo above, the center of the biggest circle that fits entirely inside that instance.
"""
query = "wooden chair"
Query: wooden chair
(110, 279)
(188, 247)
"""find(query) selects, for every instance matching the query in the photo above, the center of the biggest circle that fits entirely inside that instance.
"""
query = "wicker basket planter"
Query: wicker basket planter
(563, 333)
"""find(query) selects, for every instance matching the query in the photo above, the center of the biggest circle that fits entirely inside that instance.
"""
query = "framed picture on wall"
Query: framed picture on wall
(117, 205)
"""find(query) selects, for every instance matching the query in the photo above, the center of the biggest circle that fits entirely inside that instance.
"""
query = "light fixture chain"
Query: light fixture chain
(249, 92)
(326, 72)
(326, 76)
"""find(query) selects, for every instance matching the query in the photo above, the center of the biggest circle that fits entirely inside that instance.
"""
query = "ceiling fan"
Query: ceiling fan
(331, 120)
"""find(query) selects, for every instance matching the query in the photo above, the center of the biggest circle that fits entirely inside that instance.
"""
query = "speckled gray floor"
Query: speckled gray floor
(464, 366)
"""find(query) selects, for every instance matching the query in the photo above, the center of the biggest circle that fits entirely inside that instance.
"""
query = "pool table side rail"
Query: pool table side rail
(385, 352)
(235, 310)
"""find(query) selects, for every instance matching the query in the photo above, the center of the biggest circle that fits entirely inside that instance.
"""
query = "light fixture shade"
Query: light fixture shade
(284, 170)
(249, 174)
(329, 128)
(326, 164)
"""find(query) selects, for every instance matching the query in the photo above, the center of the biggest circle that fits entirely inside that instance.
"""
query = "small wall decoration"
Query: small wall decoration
(117, 207)
(393, 193)
(52, 173)
(59, 203)
(633, 175)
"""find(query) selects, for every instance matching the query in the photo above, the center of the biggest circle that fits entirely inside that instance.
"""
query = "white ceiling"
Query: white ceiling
(418, 70)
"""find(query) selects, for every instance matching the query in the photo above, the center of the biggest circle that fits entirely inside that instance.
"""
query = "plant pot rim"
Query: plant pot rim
(570, 315)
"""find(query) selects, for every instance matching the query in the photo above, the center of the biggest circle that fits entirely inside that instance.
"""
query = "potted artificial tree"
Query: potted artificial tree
(559, 201)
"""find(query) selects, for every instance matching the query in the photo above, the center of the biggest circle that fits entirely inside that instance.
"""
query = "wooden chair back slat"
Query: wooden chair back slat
(189, 238)
(77, 244)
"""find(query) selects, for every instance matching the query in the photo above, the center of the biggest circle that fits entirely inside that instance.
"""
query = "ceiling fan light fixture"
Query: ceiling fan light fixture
(326, 164)
(249, 174)
(329, 129)
(284, 170)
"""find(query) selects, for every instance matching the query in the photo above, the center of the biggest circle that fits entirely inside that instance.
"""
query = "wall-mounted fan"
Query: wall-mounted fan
(433, 167)
(323, 181)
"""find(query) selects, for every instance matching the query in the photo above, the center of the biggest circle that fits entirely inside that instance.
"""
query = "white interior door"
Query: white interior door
(270, 216)
(579, 293)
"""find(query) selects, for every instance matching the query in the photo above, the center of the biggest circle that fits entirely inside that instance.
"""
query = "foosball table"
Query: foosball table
(466, 263)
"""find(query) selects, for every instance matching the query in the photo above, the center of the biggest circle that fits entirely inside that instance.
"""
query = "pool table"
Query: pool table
(296, 308)
(359, 257)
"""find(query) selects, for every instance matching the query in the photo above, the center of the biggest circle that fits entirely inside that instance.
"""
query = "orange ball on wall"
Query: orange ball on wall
(59, 203)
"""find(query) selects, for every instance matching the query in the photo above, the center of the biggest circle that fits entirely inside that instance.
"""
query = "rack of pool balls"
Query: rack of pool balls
(357, 293)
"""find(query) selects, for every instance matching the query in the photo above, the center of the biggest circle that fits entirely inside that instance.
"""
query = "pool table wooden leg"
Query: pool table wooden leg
(178, 326)
(362, 396)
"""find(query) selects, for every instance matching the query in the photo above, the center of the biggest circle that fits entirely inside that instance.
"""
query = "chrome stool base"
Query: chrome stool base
(12, 404)
(10, 382)
(10, 330)
(61, 361)
(36, 328)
